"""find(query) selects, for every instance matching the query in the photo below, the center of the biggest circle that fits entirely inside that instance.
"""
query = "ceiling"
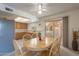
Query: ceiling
(51, 8)
(7, 15)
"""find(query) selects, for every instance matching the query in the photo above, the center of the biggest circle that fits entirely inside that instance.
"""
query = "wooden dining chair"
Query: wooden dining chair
(55, 48)
(27, 36)
(19, 50)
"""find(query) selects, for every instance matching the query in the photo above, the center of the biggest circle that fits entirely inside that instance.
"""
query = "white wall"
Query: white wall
(73, 22)
(39, 28)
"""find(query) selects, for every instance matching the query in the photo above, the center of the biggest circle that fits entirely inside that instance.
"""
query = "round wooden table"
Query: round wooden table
(36, 45)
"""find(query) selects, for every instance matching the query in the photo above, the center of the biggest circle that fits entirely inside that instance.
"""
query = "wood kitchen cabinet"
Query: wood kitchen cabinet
(21, 25)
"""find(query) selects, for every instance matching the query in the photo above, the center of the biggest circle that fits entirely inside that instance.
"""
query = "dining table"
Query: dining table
(35, 44)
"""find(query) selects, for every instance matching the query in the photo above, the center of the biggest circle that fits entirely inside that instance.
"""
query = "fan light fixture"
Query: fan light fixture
(39, 12)
(40, 9)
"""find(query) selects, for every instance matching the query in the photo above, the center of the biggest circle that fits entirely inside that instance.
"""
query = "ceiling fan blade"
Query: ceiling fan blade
(44, 10)
(38, 10)
(34, 10)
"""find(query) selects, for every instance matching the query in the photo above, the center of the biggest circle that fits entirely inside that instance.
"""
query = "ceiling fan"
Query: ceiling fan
(40, 8)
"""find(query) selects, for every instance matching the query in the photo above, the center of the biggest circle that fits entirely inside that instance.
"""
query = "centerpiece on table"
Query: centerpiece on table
(39, 35)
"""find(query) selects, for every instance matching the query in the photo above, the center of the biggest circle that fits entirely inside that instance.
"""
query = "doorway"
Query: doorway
(59, 28)
(55, 27)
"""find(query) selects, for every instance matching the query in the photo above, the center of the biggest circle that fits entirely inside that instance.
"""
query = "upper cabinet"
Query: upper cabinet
(21, 25)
